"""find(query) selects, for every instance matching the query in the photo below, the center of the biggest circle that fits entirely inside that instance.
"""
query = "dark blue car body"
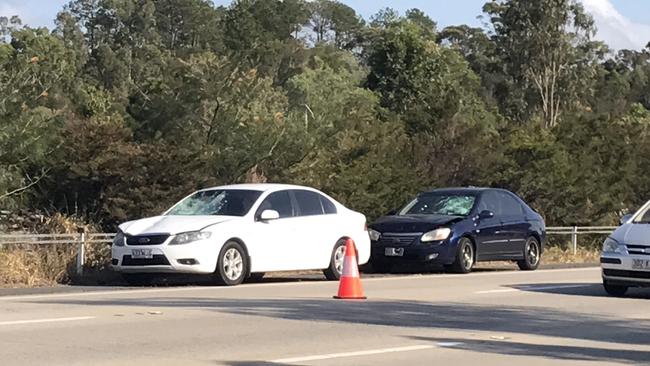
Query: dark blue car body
(500, 234)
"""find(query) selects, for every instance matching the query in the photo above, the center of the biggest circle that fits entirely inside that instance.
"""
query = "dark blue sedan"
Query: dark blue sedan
(456, 227)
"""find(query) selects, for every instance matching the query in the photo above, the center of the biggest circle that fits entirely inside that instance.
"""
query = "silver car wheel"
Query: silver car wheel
(468, 257)
(233, 264)
(533, 253)
(339, 258)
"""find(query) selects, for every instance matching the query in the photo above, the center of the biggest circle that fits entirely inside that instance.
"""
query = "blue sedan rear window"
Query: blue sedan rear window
(440, 204)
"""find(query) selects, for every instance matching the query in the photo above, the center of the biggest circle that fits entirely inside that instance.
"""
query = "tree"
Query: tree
(189, 25)
(547, 55)
(340, 142)
(249, 24)
(623, 81)
(418, 17)
(480, 52)
(9, 25)
(335, 22)
(437, 96)
(120, 38)
(36, 72)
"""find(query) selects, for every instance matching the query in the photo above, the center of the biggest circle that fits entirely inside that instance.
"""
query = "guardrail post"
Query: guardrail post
(574, 240)
(81, 253)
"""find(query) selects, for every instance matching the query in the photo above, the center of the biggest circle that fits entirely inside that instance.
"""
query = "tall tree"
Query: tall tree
(189, 24)
(547, 55)
(335, 22)
(249, 24)
(435, 93)
(36, 74)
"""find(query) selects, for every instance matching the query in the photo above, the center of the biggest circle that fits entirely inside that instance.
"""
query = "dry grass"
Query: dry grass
(553, 255)
(26, 265)
(557, 255)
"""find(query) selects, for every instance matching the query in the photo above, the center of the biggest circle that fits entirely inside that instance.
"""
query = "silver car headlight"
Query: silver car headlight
(612, 246)
(190, 236)
(374, 234)
(118, 240)
(436, 235)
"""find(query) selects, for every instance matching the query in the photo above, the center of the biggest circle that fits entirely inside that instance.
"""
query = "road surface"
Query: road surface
(547, 317)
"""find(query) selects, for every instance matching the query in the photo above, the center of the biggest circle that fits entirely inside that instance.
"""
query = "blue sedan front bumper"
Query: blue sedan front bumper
(432, 253)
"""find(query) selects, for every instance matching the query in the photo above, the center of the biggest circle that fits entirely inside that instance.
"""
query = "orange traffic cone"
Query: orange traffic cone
(350, 284)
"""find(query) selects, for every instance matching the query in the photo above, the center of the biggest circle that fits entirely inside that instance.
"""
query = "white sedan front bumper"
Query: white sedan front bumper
(196, 257)
(629, 270)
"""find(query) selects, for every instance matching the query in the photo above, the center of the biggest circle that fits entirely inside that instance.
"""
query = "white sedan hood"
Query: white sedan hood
(630, 233)
(171, 224)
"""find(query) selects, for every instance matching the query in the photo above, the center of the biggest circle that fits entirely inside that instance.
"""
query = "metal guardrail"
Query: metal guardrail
(80, 240)
(574, 231)
(83, 239)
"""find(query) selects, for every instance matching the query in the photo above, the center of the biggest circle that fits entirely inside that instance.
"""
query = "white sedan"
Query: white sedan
(241, 230)
(625, 258)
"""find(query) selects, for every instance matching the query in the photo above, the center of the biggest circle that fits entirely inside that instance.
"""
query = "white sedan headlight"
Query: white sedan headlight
(118, 240)
(436, 235)
(191, 236)
(612, 246)
(374, 234)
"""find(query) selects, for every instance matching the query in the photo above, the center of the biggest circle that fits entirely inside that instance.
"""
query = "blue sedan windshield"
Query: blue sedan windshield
(440, 204)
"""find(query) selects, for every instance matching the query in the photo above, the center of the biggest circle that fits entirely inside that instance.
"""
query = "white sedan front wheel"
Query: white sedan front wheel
(232, 266)
(335, 270)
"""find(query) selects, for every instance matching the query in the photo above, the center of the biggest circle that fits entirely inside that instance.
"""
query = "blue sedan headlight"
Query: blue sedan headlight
(436, 235)
(374, 234)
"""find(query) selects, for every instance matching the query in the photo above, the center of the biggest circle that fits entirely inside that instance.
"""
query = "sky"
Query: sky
(621, 23)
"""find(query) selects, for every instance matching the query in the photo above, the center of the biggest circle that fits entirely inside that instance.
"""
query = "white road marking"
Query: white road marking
(284, 284)
(532, 288)
(352, 354)
(52, 320)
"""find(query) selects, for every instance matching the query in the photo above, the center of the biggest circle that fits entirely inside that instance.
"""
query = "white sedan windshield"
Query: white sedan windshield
(643, 217)
(233, 202)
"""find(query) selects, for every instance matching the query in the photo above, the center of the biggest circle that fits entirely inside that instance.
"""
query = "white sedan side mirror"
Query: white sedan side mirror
(268, 215)
(625, 219)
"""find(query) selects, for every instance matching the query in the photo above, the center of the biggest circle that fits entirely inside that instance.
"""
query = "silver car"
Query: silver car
(625, 259)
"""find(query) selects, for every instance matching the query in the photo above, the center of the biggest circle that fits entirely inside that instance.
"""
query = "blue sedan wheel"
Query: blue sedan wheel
(532, 255)
(464, 257)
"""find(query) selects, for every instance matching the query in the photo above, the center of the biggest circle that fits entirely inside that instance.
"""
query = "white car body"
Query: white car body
(625, 259)
(289, 243)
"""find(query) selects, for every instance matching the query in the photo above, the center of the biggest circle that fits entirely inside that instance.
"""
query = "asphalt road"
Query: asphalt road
(546, 317)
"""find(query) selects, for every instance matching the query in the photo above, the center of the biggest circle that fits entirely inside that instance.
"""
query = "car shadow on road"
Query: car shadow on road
(531, 320)
(579, 289)
(114, 280)
(553, 351)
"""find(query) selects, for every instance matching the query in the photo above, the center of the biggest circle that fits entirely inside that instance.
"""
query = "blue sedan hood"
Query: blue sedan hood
(412, 223)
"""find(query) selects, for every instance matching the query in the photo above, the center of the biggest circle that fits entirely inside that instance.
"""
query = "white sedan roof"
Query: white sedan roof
(260, 187)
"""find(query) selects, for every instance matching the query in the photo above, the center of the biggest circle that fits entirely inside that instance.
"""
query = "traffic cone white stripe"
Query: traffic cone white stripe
(349, 267)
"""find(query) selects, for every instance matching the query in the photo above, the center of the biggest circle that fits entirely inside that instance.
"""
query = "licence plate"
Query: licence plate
(640, 264)
(141, 254)
(394, 252)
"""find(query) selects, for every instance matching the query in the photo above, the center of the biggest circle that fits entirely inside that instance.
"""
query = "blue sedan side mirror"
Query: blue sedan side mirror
(485, 214)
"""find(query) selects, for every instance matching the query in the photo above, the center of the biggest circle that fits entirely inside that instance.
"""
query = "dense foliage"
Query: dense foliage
(126, 106)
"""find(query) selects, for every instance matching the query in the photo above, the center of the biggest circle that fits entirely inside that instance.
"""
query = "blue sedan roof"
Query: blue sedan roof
(459, 190)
